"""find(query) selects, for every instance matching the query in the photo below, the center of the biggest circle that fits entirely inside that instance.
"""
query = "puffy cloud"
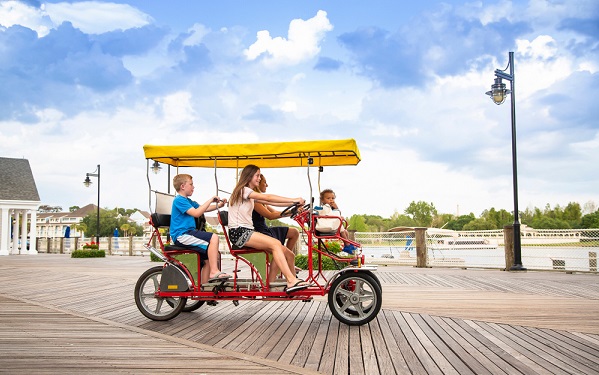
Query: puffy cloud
(302, 43)
(29, 15)
(95, 17)
(438, 44)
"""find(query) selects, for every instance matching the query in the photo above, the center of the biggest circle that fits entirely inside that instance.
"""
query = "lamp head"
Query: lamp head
(156, 167)
(498, 92)
(87, 181)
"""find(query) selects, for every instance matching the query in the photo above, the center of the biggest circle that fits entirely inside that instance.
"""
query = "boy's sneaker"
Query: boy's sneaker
(349, 249)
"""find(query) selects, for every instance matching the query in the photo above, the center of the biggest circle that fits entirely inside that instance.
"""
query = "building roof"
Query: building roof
(17, 181)
(81, 212)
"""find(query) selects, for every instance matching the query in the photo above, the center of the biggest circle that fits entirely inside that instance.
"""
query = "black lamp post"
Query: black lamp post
(88, 182)
(498, 93)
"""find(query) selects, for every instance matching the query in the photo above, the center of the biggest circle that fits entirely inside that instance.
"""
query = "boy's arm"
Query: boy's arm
(199, 211)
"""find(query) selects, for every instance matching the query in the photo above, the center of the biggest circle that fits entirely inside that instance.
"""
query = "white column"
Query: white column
(5, 233)
(15, 231)
(24, 232)
(33, 233)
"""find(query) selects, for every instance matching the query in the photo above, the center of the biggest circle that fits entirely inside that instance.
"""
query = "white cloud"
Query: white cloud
(94, 17)
(304, 38)
(18, 13)
(177, 108)
(197, 33)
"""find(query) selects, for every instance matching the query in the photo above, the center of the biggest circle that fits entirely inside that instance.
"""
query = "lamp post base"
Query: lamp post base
(517, 267)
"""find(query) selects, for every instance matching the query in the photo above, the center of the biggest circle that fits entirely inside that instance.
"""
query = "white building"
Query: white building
(19, 201)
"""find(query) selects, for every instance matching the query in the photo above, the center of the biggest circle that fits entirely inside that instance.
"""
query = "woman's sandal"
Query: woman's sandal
(297, 286)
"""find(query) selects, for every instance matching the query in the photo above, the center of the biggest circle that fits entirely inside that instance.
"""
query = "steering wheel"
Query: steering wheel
(293, 210)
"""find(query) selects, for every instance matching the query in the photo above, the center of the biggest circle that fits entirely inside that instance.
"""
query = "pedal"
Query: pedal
(235, 302)
(212, 303)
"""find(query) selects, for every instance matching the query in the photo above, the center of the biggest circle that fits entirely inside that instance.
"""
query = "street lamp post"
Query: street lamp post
(88, 182)
(498, 93)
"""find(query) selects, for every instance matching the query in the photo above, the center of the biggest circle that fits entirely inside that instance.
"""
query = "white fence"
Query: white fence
(565, 250)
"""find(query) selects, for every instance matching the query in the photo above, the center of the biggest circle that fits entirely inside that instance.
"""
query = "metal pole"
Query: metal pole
(98, 217)
(517, 240)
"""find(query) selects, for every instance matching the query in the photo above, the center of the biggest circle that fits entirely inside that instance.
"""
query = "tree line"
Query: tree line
(424, 214)
(110, 220)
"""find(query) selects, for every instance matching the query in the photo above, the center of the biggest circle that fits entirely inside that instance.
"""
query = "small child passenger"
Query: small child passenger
(183, 227)
(327, 197)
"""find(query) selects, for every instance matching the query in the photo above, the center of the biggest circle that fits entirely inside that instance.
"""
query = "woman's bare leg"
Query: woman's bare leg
(273, 246)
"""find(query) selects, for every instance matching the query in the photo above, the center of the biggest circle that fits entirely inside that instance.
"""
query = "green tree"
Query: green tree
(590, 220)
(458, 224)
(573, 214)
(357, 223)
(109, 221)
(550, 223)
(80, 227)
(498, 218)
(422, 213)
(479, 224)
(74, 208)
(441, 220)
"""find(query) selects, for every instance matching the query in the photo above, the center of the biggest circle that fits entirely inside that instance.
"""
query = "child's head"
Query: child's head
(180, 180)
(327, 196)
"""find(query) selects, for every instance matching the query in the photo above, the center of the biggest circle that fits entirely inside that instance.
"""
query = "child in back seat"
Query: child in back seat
(327, 197)
(183, 227)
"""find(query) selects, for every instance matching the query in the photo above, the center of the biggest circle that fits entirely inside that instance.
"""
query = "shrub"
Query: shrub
(88, 254)
(327, 263)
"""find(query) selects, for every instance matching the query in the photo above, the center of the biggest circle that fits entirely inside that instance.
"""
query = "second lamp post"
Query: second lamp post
(88, 182)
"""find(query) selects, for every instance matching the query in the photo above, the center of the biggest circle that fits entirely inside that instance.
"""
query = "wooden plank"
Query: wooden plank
(292, 325)
(301, 325)
(443, 343)
(433, 351)
(383, 355)
(404, 358)
(430, 367)
(570, 359)
(342, 351)
(327, 359)
(303, 351)
(457, 339)
(541, 360)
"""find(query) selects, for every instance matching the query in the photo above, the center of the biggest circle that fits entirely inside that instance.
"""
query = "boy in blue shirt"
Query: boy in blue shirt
(183, 227)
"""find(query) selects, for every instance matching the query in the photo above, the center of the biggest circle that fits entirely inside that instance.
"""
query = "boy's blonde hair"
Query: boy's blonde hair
(180, 179)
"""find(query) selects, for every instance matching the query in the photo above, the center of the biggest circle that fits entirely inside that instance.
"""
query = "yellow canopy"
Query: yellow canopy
(264, 155)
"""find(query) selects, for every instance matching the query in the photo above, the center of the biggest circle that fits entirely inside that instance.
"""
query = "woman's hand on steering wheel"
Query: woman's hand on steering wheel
(294, 209)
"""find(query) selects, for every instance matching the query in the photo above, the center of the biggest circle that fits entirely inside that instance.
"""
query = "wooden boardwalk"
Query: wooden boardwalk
(63, 315)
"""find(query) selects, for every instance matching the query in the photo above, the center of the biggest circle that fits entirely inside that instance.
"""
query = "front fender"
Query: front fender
(356, 270)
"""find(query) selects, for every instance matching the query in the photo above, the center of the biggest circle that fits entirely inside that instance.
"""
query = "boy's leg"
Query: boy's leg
(213, 257)
(205, 273)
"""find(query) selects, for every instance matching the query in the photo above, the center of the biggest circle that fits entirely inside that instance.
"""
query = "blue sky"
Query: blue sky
(91, 82)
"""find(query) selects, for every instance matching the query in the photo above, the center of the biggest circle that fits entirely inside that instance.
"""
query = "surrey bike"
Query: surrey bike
(162, 292)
